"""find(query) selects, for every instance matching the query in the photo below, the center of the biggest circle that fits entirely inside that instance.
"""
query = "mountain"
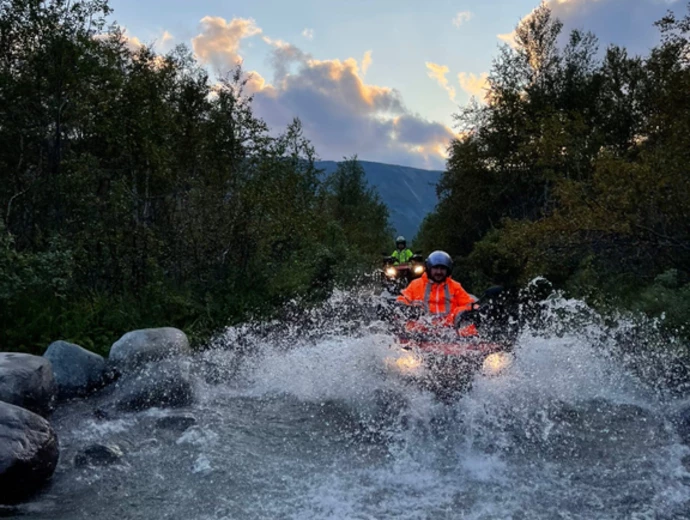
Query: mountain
(409, 193)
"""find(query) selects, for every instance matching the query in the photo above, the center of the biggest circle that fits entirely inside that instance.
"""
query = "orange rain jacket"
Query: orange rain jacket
(443, 300)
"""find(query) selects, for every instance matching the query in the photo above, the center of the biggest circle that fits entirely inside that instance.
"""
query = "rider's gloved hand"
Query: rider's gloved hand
(466, 318)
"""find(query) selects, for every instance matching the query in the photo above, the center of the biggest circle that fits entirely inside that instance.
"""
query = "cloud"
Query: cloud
(411, 130)
(508, 38)
(283, 56)
(626, 23)
(438, 72)
(160, 44)
(473, 84)
(132, 43)
(462, 17)
(366, 62)
(257, 83)
(343, 115)
(218, 42)
(308, 34)
(165, 42)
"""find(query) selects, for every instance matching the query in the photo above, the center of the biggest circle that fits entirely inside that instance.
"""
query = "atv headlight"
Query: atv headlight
(496, 363)
(391, 272)
(419, 269)
(406, 364)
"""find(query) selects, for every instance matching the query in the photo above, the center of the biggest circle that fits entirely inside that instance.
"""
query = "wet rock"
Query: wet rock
(102, 414)
(27, 381)
(164, 385)
(77, 371)
(98, 455)
(140, 346)
(178, 423)
(28, 453)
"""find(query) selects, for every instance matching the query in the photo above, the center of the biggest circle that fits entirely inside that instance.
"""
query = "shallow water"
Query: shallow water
(305, 425)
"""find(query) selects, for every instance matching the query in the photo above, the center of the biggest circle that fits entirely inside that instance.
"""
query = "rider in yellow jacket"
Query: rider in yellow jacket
(402, 254)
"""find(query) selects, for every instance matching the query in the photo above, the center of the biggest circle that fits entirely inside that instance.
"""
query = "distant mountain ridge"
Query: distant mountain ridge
(409, 193)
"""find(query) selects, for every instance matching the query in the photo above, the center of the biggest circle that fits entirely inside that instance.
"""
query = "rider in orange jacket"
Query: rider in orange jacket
(439, 295)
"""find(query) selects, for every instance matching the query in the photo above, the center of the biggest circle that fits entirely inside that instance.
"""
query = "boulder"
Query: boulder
(164, 385)
(28, 453)
(98, 455)
(77, 371)
(27, 381)
(141, 346)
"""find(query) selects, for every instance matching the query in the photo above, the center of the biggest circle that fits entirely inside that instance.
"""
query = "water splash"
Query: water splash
(295, 418)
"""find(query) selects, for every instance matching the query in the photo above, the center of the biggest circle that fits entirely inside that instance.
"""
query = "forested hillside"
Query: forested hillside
(409, 193)
(136, 192)
(576, 168)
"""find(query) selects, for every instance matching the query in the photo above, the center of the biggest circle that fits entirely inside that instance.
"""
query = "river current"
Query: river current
(296, 420)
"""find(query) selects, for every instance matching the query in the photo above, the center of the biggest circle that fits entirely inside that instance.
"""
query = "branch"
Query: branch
(9, 207)
(668, 240)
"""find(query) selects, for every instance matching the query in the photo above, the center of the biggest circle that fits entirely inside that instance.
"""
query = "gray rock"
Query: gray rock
(27, 381)
(164, 385)
(98, 455)
(178, 423)
(77, 371)
(102, 414)
(140, 346)
(28, 453)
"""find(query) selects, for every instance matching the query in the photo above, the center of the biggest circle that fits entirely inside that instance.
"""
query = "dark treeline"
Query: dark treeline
(576, 168)
(135, 193)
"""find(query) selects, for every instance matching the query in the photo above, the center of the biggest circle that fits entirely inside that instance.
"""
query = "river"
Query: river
(298, 421)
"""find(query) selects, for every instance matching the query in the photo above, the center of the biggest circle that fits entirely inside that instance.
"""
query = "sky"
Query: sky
(377, 78)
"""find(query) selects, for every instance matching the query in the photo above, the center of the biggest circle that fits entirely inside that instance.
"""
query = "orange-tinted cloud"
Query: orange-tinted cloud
(438, 73)
(132, 43)
(342, 114)
(165, 43)
(474, 85)
(508, 38)
(218, 42)
(366, 62)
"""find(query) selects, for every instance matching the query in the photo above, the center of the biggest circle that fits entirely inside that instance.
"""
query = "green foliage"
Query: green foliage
(668, 296)
(358, 209)
(136, 194)
(575, 168)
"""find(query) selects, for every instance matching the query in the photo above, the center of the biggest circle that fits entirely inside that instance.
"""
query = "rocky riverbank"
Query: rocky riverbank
(145, 368)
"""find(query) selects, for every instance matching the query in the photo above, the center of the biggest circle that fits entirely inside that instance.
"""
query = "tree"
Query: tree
(158, 197)
(576, 167)
(357, 208)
